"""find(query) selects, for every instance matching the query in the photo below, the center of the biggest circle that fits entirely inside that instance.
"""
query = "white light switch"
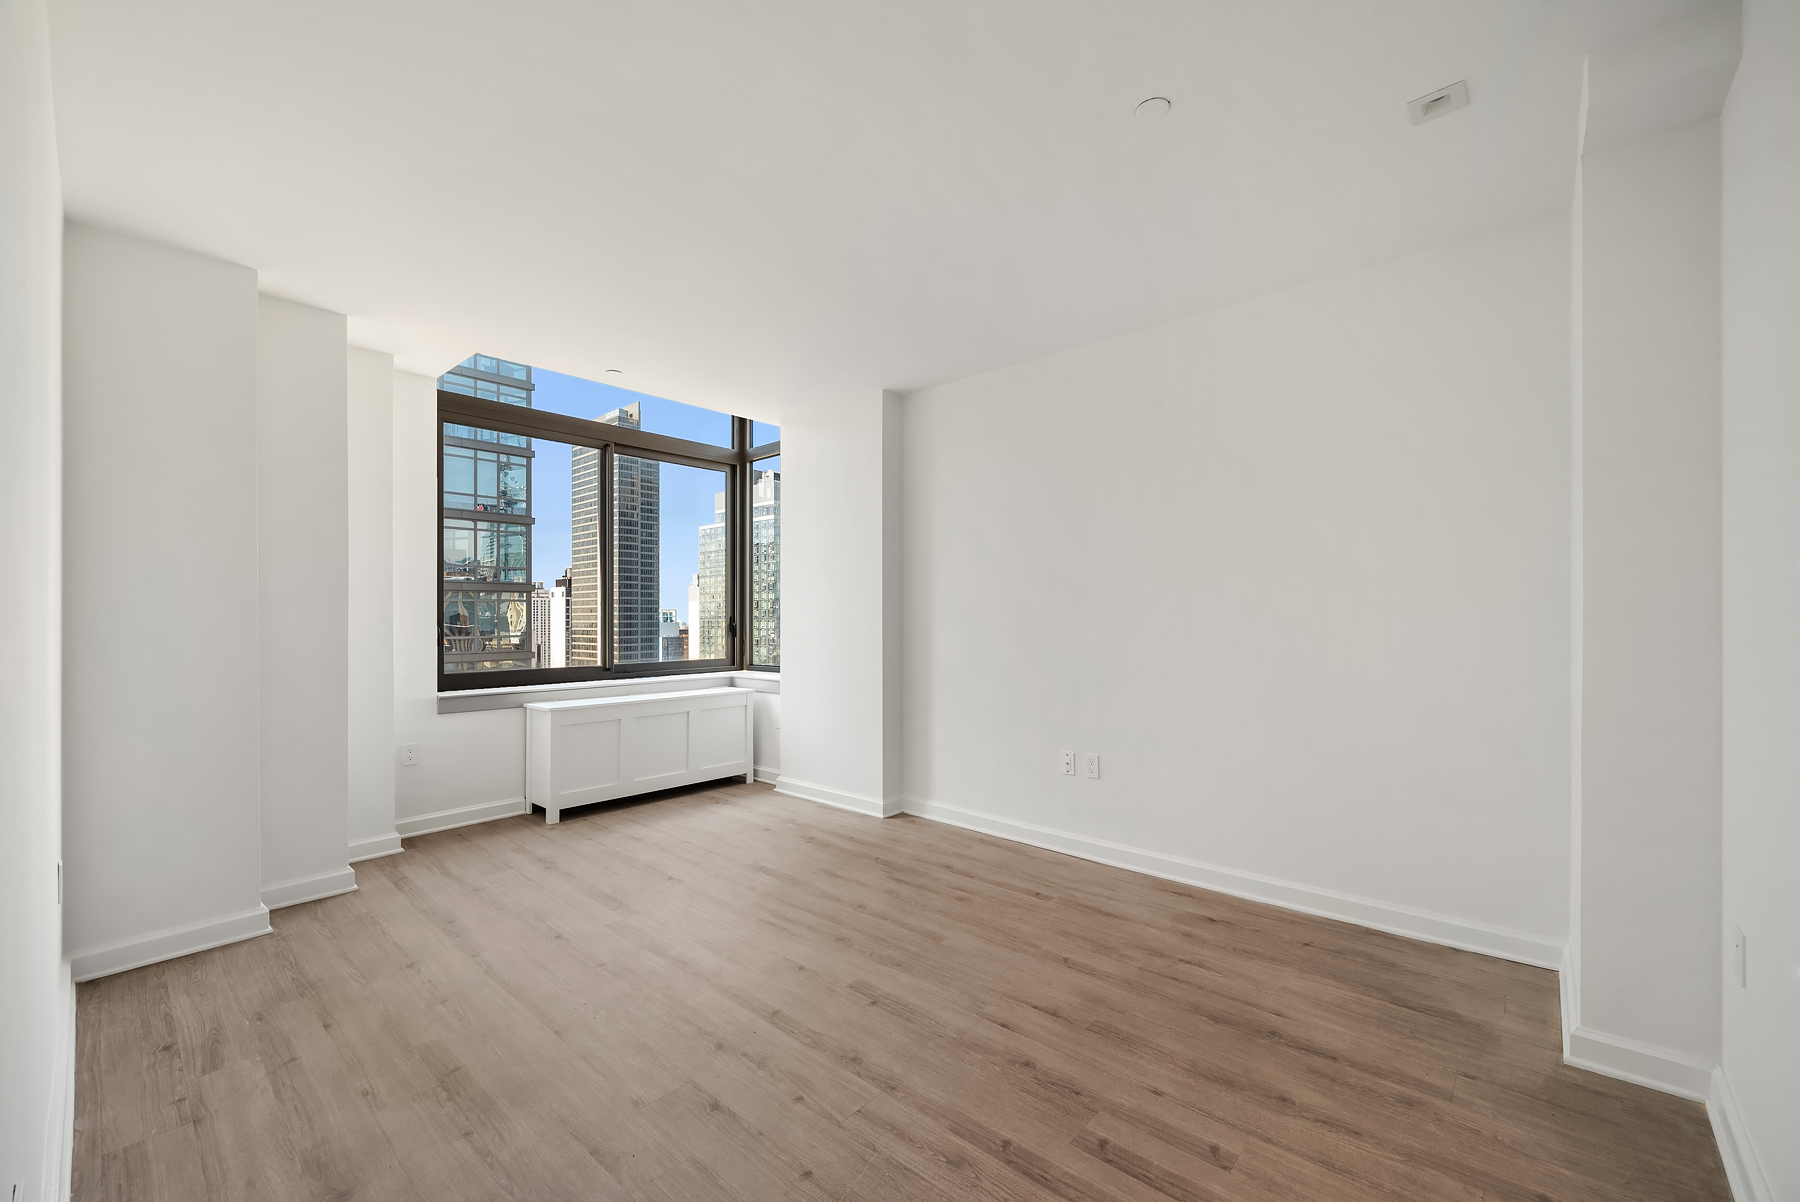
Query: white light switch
(1093, 767)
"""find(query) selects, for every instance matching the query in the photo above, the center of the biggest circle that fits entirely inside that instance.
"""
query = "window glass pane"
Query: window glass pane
(492, 551)
(509, 599)
(765, 562)
(763, 433)
(459, 476)
(669, 556)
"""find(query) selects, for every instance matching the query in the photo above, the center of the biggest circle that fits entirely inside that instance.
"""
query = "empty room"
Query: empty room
(1108, 601)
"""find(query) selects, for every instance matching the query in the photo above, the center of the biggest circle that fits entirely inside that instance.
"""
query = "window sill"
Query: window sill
(471, 700)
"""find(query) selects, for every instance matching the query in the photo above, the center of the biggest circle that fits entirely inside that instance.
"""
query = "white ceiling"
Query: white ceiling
(737, 204)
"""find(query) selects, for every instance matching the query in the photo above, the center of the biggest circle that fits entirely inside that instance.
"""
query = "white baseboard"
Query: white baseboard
(309, 888)
(1569, 986)
(444, 820)
(875, 807)
(1748, 1181)
(767, 776)
(1639, 1063)
(1381, 916)
(167, 944)
(59, 1133)
(374, 847)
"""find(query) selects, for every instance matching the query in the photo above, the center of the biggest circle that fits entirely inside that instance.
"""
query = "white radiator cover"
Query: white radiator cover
(604, 748)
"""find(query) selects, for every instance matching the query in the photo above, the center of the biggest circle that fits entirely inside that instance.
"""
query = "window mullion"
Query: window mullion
(608, 582)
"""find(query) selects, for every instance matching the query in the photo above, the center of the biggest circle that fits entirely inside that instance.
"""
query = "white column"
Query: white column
(1647, 838)
(37, 1033)
(1761, 285)
(371, 646)
(303, 600)
(840, 602)
(161, 658)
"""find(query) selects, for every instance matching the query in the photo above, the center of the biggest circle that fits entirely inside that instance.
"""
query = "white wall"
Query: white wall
(371, 619)
(303, 610)
(1761, 280)
(161, 830)
(36, 1001)
(465, 760)
(1297, 569)
(841, 605)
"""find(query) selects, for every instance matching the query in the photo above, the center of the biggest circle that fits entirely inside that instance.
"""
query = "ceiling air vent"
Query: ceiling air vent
(1436, 104)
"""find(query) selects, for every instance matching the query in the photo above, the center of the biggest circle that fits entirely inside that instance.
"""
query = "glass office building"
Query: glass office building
(486, 513)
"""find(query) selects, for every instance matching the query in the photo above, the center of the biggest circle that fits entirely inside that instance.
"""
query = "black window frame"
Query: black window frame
(609, 440)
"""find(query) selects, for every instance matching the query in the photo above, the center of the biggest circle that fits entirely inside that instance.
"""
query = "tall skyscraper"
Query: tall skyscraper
(584, 551)
(486, 514)
(707, 615)
(693, 622)
(765, 568)
(636, 553)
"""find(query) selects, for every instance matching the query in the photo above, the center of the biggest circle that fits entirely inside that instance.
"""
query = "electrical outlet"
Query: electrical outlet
(1741, 945)
(1093, 766)
(1068, 763)
(409, 754)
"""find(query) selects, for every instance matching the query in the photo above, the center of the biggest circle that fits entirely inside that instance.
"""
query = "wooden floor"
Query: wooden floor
(726, 993)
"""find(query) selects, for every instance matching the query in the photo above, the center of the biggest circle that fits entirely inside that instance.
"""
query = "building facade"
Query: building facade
(540, 625)
(485, 510)
(708, 610)
(673, 634)
(584, 553)
(559, 621)
(636, 550)
(765, 568)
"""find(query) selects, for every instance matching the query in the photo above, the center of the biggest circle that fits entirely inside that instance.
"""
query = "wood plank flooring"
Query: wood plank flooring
(729, 994)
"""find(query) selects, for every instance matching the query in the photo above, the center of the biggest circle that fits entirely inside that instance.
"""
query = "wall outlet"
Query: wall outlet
(1093, 767)
(1740, 947)
(409, 754)
(1068, 763)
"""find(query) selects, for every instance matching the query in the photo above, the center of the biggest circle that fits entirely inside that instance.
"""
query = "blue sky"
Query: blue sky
(687, 493)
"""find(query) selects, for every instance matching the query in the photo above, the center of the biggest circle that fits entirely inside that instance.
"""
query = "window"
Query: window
(579, 542)
(505, 509)
(671, 558)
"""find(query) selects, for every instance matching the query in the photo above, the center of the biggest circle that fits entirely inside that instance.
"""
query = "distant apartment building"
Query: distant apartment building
(708, 612)
(559, 621)
(765, 568)
(541, 610)
(584, 553)
(673, 635)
